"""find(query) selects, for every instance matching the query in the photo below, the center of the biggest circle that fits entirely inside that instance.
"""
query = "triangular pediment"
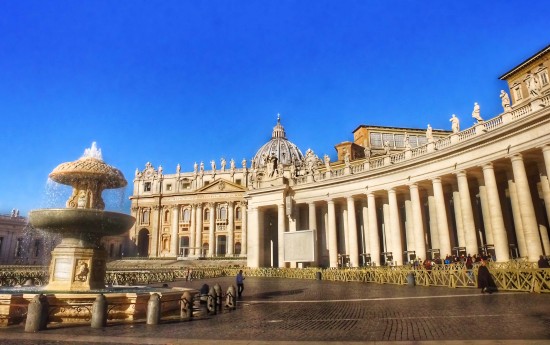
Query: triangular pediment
(221, 186)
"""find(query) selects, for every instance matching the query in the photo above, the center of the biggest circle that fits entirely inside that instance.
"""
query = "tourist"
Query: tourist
(543, 262)
(240, 283)
(484, 279)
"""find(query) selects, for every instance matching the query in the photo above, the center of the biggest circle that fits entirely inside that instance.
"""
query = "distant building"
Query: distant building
(393, 195)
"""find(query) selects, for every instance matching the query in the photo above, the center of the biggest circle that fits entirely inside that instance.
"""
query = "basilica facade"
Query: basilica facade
(393, 195)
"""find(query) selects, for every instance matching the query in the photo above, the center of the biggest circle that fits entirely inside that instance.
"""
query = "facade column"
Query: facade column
(486, 213)
(546, 155)
(365, 234)
(528, 217)
(312, 224)
(497, 223)
(516, 215)
(332, 235)
(281, 229)
(409, 227)
(192, 230)
(174, 233)
(212, 230)
(154, 243)
(352, 232)
(198, 230)
(418, 226)
(255, 247)
(468, 224)
(244, 228)
(395, 228)
(374, 239)
(442, 223)
(230, 228)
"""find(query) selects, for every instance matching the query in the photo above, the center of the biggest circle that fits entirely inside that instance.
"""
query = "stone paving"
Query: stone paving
(285, 310)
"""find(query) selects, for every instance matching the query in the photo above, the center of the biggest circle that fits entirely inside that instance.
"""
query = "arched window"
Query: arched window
(166, 216)
(238, 213)
(238, 248)
(207, 214)
(223, 213)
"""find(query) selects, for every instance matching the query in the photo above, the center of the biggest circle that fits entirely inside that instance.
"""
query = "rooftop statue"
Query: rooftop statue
(505, 100)
(533, 85)
(429, 134)
(223, 163)
(327, 162)
(386, 147)
(476, 113)
(407, 142)
(455, 124)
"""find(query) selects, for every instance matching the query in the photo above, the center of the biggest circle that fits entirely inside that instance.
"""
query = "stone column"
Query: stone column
(395, 228)
(230, 228)
(374, 239)
(528, 218)
(442, 223)
(198, 238)
(212, 230)
(312, 223)
(352, 229)
(154, 243)
(255, 247)
(468, 224)
(365, 214)
(434, 233)
(409, 227)
(332, 235)
(281, 229)
(461, 238)
(497, 223)
(192, 230)
(386, 233)
(244, 229)
(418, 226)
(516, 215)
(486, 213)
(174, 235)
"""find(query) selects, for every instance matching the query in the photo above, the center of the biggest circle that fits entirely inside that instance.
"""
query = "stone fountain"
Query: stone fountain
(79, 262)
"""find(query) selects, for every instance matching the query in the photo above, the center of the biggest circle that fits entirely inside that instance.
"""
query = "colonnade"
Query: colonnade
(494, 208)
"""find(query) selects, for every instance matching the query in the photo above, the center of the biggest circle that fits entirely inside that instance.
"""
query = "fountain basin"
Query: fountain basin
(76, 221)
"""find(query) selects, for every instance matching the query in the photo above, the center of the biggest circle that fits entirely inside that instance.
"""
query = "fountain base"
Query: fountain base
(77, 268)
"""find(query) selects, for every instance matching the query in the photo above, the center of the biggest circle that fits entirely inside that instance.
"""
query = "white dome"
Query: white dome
(286, 152)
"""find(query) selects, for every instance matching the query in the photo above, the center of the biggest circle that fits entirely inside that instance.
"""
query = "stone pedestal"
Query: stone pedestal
(77, 269)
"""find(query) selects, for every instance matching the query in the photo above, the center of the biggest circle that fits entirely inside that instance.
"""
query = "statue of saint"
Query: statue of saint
(455, 123)
(232, 164)
(429, 134)
(160, 171)
(368, 152)
(292, 170)
(327, 162)
(476, 113)
(223, 163)
(386, 147)
(243, 163)
(213, 165)
(195, 167)
(202, 166)
(505, 100)
(178, 169)
(407, 142)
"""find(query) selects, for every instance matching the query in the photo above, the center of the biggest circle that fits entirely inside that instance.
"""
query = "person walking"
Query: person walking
(240, 283)
(484, 279)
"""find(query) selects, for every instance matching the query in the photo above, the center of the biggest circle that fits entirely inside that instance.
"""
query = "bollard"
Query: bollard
(99, 312)
(211, 301)
(153, 309)
(231, 298)
(219, 295)
(186, 311)
(37, 314)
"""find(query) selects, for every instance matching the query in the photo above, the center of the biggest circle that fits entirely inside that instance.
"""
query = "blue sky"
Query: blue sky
(182, 81)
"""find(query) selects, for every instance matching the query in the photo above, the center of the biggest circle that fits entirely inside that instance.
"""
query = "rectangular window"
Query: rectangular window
(399, 140)
(147, 187)
(376, 140)
(422, 141)
(517, 92)
(543, 76)
(413, 140)
(238, 181)
(389, 138)
(169, 187)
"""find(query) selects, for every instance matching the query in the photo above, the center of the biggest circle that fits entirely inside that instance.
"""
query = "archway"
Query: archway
(143, 243)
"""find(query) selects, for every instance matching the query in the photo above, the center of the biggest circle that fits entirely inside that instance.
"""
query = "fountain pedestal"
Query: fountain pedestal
(77, 269)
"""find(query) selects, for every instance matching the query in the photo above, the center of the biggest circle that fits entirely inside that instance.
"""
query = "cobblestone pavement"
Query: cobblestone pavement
(285, 310)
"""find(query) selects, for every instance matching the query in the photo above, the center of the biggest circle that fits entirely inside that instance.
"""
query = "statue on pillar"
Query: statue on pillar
(455, 124)
(178, 169)
(223, 163)
(505, 100)
(429, 134)
(407, 142)
(476, 113)
(327, 162)
(243, 163)
(386, 147)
